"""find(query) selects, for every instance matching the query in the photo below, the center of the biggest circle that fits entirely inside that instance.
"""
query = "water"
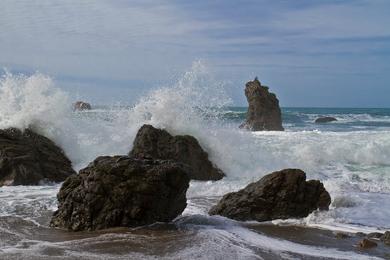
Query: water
(350, 156)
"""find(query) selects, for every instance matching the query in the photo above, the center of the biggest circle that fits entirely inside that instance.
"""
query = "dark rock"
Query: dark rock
(360, 234)
(367, 244)
(386, 238)
(340, 235)
(279, 195)
(156, 143)
(81, 105)
(121, 191)
(375, 235)
(325, 119)
(263, 111)
(27, 158)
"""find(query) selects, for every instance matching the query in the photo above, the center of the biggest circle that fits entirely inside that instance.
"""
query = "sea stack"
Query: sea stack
(263, 112)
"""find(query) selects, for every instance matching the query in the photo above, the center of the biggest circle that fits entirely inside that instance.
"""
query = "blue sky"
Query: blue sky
(311, 53)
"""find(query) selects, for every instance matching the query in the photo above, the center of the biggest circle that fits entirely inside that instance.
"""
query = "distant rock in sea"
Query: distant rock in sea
(386, 238)
(325, 119)
(156, 143)
(279, 195)
(81, 105)
(374, 235)
(341, 235)
(27, 158)
(263, 112)
(367, 244)
(121, 191)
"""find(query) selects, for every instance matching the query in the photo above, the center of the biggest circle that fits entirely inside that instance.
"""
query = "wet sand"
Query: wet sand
(321, 238)
(189, 237)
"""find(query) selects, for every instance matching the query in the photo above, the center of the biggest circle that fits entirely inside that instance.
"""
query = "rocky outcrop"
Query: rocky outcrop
(263, 111)
(156, 143)
(279, 195)
(325, 119)
(367, 244)
(121, 191)
(27, 158)
(81, 105)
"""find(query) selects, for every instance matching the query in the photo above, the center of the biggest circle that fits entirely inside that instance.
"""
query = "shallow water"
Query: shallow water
(350, 156)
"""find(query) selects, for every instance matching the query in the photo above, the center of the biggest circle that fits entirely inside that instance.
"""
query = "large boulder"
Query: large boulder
(263, 111)
(325, 119)
(27, 158)
(121, 191)
(81, 105)
(156, 143)
(279, 195)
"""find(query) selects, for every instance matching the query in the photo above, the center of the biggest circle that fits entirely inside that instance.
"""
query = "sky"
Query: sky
(333, 53)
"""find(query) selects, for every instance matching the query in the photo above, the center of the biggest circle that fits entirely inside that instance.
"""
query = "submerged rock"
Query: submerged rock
(27, 158)
(263, 111)
(81, 105)
(279, 195)
(360, 234)
(367, 244)
(374, 235)
(121, 191)
(156, 143)
(325, 119)
(386, 238)
(340, 235)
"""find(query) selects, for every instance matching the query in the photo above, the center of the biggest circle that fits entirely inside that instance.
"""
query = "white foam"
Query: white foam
(28, 202)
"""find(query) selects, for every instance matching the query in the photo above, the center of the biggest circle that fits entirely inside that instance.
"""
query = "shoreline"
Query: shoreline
(182, 237)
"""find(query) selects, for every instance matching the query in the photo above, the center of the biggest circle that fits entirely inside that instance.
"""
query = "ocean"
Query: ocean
(350, 156)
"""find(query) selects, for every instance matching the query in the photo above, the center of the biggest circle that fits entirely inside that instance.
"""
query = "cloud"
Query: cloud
(149, 41)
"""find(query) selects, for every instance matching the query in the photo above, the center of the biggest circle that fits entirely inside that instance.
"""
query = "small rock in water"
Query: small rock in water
(27, 158)
(264, 113)
(121, 191)
(367, 244)
(325, 119)
(386, 238)
(279, 195)
(340, 235)
(81, 105)
(375, 235)
(156, 143)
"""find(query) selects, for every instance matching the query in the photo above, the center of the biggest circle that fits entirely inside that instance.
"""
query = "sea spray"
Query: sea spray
(189, 106)
(34, 101)
(31, 101)
(184, 107)
(193, 106)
